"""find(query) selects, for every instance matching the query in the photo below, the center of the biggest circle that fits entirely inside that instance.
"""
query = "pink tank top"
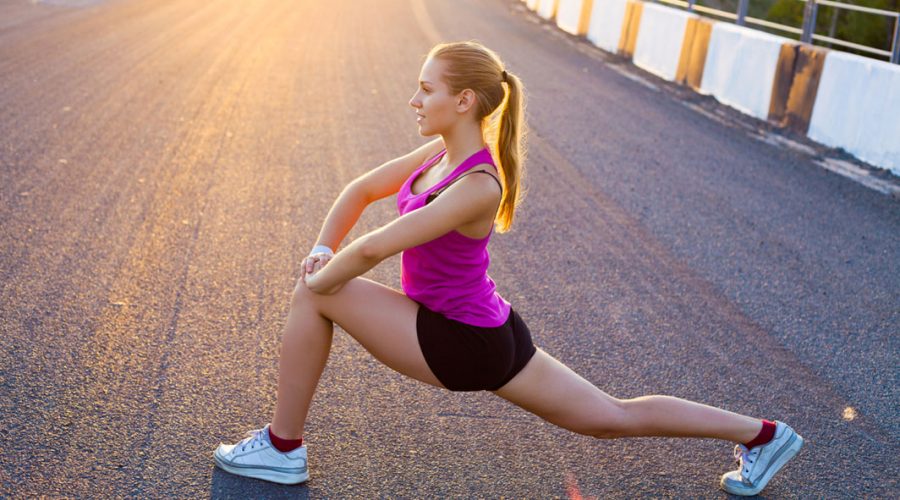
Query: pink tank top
(449, 274)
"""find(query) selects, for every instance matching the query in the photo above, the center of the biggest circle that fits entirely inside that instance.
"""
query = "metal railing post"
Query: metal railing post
(809, 21)
(895, 46)
(807, 31)
(742, 12)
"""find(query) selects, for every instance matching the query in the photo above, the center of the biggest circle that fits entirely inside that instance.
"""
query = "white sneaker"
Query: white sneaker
(255, 456)
(758, 465)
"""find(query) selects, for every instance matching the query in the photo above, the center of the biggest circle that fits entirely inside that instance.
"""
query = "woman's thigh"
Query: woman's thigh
(381, 319)
(552, 391)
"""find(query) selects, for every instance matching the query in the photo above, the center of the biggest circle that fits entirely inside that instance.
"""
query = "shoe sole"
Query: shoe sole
(264, 474)
(790, 450)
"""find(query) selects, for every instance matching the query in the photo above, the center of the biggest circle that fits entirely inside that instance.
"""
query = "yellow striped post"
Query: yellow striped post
(630, 26)
(693, 52)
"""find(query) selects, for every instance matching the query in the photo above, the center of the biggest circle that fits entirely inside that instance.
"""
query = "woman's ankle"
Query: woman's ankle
(285, 432)
(282, 444)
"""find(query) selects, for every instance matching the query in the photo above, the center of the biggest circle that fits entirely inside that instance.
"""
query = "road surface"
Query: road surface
(165, 165)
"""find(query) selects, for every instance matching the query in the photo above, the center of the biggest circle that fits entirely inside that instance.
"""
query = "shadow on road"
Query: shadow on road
(225, 485)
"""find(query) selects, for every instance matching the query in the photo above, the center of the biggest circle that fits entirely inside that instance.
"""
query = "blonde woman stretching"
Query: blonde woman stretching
(450, 328)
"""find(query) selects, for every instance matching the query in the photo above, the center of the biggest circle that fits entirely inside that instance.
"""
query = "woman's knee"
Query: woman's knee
(624, 421)
(608, 422)
(327, 305)
(302, 295)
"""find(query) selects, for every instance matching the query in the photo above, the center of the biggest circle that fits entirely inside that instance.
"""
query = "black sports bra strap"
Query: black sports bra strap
(433, 195)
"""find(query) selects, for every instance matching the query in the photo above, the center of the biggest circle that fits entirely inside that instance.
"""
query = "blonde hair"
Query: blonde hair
(471, 65)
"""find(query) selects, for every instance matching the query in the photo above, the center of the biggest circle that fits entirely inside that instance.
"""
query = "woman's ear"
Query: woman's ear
(465, 100)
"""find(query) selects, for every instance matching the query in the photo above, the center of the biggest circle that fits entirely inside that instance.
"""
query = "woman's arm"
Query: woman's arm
(344, 213)
(369, 187)
(347, 264)
(465, 201)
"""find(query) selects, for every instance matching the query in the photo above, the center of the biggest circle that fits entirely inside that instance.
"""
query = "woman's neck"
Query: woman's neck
(462, 143)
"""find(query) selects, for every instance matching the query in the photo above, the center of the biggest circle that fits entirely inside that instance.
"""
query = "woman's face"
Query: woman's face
(436, 109)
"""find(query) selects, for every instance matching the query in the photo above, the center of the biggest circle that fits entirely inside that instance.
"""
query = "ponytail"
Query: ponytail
(509, 146)
(471, 65)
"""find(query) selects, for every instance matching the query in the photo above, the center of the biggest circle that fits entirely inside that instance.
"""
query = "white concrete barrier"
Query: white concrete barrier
(740, 67)
(659, 41)
(572, 16)
(605, 27)
(858, 109)
(547, 8)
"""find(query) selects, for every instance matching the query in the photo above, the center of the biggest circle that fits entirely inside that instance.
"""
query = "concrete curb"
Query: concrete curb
(778, 79)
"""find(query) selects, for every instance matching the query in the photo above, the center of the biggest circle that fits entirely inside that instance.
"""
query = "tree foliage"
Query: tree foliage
(871, 30)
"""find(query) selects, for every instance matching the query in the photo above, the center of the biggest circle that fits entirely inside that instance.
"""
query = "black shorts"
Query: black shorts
(472, 358)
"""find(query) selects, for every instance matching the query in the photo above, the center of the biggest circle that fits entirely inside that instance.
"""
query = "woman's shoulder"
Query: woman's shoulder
(483, 190)
(486, 168)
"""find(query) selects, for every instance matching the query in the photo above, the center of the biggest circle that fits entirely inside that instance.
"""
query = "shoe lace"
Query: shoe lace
(743, 456)
(253, 438)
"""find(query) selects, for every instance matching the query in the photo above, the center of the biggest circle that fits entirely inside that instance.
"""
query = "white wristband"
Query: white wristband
(321, 249)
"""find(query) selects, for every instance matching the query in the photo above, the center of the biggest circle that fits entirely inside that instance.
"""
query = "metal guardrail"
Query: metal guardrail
(807, 31)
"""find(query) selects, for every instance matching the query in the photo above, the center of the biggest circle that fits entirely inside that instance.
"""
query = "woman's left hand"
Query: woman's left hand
(313, 263)
(316, 264)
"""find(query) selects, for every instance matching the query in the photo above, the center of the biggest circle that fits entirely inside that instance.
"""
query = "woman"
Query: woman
(450, 328)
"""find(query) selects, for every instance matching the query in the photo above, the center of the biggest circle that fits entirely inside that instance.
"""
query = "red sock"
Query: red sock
(284, 445)
(764, 436)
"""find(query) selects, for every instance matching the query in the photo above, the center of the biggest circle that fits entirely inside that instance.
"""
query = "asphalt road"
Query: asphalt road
(164, 165)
